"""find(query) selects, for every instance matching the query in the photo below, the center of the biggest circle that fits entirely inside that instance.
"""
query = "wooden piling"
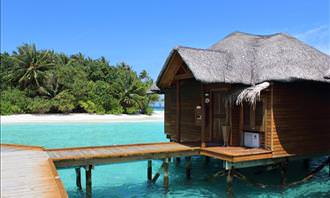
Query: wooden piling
(165, 168)
(284, 170)
(229, 180)
(306, 163)
(177, 161)
(154, 179)
(78, 178)
(188, 167)
(329, 165)
(149, 171)
(88, 171)
(207, 159)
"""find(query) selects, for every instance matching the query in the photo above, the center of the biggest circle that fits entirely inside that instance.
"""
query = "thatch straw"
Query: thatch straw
(327, 75)
(251, 59)
(153, 89)
(251, 94)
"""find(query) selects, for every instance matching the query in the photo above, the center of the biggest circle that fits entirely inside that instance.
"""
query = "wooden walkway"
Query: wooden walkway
(97, 155)
(27, 171)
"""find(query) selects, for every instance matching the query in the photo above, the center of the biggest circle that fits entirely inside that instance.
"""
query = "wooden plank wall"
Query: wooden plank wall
(266, 95)
(190, 98)
(190, 91)
(301, 118)
(170, 113)
(235, 126)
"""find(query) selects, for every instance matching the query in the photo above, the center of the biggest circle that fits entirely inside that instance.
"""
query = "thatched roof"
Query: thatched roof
(327, 75)
(252, 59)
(153, 89)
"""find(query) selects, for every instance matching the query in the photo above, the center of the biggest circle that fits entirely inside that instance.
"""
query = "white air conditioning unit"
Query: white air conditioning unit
(251, 139)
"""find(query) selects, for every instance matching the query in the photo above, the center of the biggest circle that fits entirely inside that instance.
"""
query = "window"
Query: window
(253, 118)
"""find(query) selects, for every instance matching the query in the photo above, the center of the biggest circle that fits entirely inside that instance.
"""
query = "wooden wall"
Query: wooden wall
(301, 118)
(190, 91)
(235, 139)
(170, 113)
(190, 97)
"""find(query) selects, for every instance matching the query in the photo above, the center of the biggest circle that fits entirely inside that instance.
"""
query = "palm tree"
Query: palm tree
(129, 89)
(32, 65)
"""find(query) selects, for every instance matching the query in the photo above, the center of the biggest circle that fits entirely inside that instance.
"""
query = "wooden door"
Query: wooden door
(219, 117)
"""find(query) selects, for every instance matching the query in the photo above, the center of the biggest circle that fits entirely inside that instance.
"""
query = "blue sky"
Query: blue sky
(143, 32)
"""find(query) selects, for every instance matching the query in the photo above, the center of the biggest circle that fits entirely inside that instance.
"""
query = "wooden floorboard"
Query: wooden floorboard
(28, 172)
(236, 154)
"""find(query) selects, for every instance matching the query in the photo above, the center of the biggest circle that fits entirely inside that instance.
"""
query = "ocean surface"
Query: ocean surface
(130, 179)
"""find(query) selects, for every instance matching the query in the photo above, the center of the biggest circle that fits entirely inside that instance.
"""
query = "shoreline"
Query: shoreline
(157, 116)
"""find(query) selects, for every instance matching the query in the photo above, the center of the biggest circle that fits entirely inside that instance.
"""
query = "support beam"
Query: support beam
(203, 143)
(229, 180)
(88, 170)
(154, 179)
(177, 161)
(78, 178)
(306, 163)
(207, 159)
(149, 171)
(284, 170)
(165, 167)
(178, 111)
(329, 165)
(188, 167)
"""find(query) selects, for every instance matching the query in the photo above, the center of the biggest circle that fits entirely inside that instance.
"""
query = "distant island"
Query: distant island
(43, 81)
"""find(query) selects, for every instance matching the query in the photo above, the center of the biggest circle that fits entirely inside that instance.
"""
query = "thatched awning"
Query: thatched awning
(154, 89)
(251, 94)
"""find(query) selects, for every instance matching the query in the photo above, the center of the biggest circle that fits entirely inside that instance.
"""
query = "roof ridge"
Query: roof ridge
(199, 49)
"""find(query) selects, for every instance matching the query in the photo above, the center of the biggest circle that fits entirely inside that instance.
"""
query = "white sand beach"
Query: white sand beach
(80, 118)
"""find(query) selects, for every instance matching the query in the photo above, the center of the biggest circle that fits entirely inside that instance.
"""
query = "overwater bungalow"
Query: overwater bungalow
(249, 99)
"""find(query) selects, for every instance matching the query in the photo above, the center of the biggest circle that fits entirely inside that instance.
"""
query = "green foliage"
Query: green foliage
(39, 105)
(13, 101)
(65, 102)
(89, 106)
(42, 81)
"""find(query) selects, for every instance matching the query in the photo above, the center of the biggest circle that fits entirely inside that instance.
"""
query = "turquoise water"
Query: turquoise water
(129, 179)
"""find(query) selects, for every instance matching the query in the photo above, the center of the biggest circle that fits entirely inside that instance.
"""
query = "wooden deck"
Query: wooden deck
(27, 171)
(236, 154)
(84, 156)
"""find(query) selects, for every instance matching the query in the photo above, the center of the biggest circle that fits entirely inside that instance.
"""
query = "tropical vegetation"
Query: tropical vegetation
(43, 81)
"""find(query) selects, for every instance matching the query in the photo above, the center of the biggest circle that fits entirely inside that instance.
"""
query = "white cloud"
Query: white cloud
(318, 37)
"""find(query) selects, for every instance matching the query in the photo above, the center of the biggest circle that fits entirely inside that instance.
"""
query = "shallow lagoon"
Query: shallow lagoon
(129, 179)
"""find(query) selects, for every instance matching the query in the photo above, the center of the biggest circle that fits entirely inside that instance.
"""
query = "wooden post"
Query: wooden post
(154, 179)
(188, 167)
(78, 178)
(149, 172)
(229, 181)
(203, 144)
(306, 163)
(88, 170)
(178, 112)
(329, 165)
(207, 159)
(177, 160)
(165, 167)
(284, 169)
